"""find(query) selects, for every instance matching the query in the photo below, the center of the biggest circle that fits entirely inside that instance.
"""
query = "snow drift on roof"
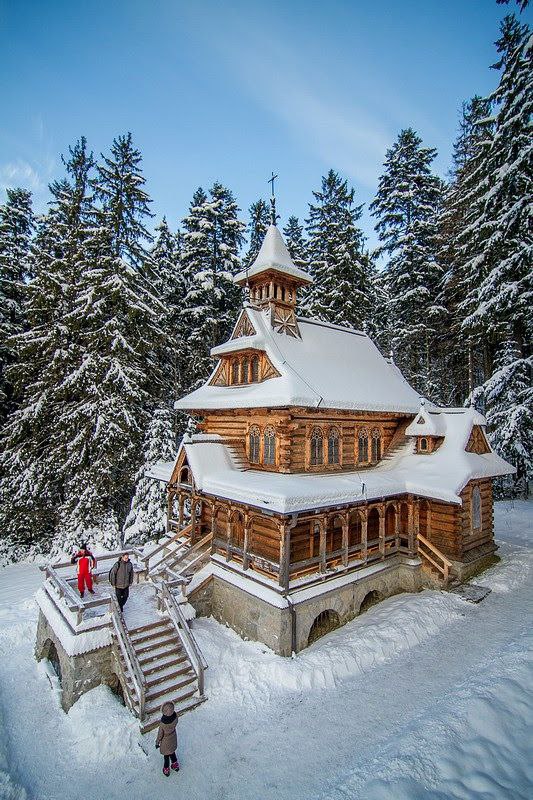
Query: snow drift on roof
(328, 367)
(273, 254)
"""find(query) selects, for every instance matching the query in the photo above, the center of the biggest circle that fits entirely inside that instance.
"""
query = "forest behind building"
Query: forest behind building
(107, 315)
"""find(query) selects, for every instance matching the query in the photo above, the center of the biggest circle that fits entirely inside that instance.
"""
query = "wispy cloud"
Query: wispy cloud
(21, 173)
(295, 87)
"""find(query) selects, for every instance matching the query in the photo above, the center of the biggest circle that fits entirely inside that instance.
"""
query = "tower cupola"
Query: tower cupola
(273, 280)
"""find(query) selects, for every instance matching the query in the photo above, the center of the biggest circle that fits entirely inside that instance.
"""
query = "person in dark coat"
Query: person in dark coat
(121, 577)
(85, 563)
(167, 740)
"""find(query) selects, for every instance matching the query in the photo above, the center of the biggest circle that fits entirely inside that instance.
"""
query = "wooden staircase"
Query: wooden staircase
(398, 443)
(434, 562)
(158, 662)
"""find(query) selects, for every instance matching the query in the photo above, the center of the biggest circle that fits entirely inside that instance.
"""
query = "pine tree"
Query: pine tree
(259, 214)
(147, 516)
(16, 228)
(118, 382)
(296, 243)
(508, 395)
(212, 238)
(407, 206)
(462, 357)
(32, 463)
(498, 236)
(342, 290)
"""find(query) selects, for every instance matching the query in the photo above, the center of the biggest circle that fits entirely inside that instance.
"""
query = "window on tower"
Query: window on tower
(255, 369)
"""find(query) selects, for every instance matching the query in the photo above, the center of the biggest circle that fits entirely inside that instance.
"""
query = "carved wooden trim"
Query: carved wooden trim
(244, 328)
(477, 443)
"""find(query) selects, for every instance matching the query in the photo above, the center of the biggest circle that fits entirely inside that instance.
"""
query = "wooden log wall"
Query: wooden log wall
(293, 431)
(485, 535)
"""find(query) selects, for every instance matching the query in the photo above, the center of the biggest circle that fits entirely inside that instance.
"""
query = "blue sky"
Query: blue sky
(232, 90)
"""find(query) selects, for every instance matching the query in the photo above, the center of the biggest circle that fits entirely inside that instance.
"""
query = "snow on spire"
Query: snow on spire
(273, 254)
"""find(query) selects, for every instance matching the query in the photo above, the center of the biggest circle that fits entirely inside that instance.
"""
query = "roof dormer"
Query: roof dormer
(273, 280)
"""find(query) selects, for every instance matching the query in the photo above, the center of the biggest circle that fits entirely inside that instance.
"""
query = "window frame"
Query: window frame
(476, 511)
(334, 443)
(362, 434)
(269, 448)
(254, 431)
(316, 447)
(376, 448)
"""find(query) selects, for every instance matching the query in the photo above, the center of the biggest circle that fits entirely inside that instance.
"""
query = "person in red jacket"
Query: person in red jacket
(86, 563)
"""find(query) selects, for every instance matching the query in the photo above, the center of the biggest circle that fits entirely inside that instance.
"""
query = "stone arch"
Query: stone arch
(323, 623)
(116, 687)
(370, 599)
(52, 656)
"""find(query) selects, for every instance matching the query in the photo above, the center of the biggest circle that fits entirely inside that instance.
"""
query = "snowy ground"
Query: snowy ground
(425, 696)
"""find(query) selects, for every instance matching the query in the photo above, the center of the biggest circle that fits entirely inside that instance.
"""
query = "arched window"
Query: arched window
(333, 446)
(476, 508)
(362, 446)
(317, 447)
(423, 444)
(269, 446)
(255, 369)
(244, 370)
(376, 444)
(235, 371)
(254, 444)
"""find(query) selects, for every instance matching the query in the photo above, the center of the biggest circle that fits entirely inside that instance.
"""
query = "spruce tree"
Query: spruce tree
(118, 382)
(407, 206)
(498, 238)
(147, 516)
(259, 214)
(508, 397)
(342, 289)
(16, 229)
(296, 243)
(212, 238)
(48, 353)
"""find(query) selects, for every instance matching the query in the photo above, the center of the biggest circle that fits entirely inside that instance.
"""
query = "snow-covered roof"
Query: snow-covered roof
(273, 254)
(440, 475)
(328, 367)
(160, 471)
(433, 422)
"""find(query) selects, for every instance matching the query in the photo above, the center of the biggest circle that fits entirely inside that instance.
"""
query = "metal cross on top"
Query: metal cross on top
(273, 215)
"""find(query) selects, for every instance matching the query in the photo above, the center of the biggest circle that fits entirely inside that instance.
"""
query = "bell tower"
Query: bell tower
(273, 281)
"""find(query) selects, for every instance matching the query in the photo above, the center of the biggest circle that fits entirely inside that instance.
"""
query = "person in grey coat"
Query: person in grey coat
(166, 739)
(121, 577)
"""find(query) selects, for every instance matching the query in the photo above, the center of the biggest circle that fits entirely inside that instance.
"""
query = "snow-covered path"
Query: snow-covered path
(425, 696)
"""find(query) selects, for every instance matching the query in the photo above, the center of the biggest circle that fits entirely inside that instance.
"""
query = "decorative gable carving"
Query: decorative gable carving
(477, 442)
(244, 328)
(221, 376)
(244, 368)
(284, 321)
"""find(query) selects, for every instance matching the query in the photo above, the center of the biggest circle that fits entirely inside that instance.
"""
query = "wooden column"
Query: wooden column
(410, 526)
(345, 540)
(284, 554)
(397, 524)
(323, 529)
(170, 507)
(416, 526)
(181, 503)
(245, 557)
(228, 535)
(213, 526)
(193, 518)
(382, 530)
(364, 533)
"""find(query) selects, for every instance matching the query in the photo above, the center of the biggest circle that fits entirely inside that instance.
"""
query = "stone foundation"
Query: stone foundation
(477, 561)
(79, 673)
(285, 623)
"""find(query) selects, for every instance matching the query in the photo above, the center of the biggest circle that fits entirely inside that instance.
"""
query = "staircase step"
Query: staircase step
(149, 626)
(154, 644)
(153, 704)
(172, 647)
(152, 720)
(175, 671)
(149, 635)
(149, 666)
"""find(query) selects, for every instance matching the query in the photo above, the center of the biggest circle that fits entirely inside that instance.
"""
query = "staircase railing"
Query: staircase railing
(129, 655)
(174, 562)
(148, 557)
(185, 634)
(435, 557)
